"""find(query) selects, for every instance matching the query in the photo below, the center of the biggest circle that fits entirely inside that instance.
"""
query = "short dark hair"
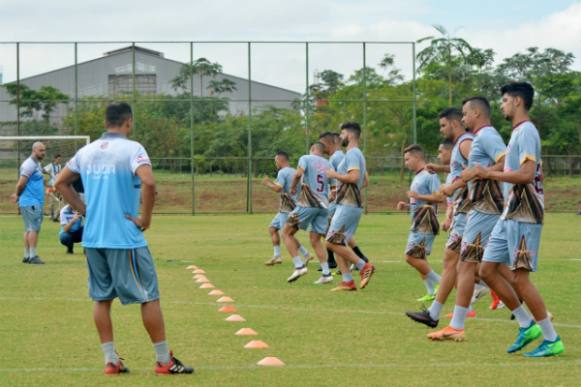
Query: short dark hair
(283, 154)
(117, 113)
(414, 149)
(523, 90)
(327, 135)
(451, 113)
(352, 127)
(481, 102)
(447, 144)
(57, 156)
(318, 145)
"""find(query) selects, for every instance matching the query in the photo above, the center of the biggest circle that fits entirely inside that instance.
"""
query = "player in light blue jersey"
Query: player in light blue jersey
(310, 211)
(30, 198)
(516, 237)
(282, 186)
(486, 199)
(117, 175)
(424, 198)
(351, 176)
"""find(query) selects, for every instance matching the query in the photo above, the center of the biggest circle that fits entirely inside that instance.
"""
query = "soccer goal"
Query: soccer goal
(15, 149)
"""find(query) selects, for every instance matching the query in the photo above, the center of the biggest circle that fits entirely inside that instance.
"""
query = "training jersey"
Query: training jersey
(284, 179)
(67, 214)
(458, 163)
(350, 194)
(423, 183)
(112, 190)
(33, 193)
(335, 160)
(315, 189)
(526, 201)
(52, 169)
(487, 148)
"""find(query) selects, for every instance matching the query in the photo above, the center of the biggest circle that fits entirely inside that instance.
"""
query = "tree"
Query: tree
(43, 100)
(202, 67)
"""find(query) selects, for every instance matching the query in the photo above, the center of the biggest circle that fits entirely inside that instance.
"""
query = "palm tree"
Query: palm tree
(447, 50)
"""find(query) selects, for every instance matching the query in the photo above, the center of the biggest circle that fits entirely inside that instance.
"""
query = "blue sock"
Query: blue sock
(360, 264)
(276, 250)
(347, 277)
(458, 317)
(298, 262)
(325, 268)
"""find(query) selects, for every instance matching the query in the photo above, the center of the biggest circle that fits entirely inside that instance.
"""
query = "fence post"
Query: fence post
(192, 154)
(414, 122)
(307, 100)
(249, 140)
(18, 105)
(76, 130)
(365, 131)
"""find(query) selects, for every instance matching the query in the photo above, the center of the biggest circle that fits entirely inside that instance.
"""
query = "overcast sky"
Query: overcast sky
(505, 26)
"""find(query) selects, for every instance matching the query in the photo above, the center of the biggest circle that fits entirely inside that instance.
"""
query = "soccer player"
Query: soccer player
(54, 202)
(423, 205)
(486, 199)
(116, 173)
(352, 177)
(332, 142)
(311, 210)
(30, 198)
(282, 185)
(516, 237)
(453, 130)
(71, 228)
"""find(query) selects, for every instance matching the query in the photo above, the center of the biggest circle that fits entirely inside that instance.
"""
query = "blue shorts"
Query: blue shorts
(344, 224)
(332, 208)
(476, 235)
(303, 217)
(515, 244)
(419, 244)
(32, 217)
(279, 220)
(125, 273)
(456, 232)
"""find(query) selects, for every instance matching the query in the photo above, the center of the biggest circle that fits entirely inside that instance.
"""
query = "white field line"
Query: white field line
(280, 308)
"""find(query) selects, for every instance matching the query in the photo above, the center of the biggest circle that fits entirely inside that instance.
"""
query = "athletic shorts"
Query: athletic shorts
(515, 244)
(476, 235)
(312, 218)
(279, 220)
(344, 224)
(419, 244)
(332, 208)
(32, 217)
(456, 232)
(125, 273)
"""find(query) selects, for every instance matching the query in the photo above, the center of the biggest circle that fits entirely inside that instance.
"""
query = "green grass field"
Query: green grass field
(326, 339)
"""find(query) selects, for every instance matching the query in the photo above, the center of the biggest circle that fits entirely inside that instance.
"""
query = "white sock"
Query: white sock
(523, 317)
(32, 252)
(325, 268)
(458, 317)
(433, 277)
(298, 262)
(110, 353)
(162, 352)
(276, 250)
(304, 251)
(26, 252)
(435, 310)
(548, 329)
(429, 286)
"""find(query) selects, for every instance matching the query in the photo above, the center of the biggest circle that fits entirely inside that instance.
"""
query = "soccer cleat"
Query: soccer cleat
(547, 348)
(447, 333)
(345, 286)
(307, 259)
(479, 292)
(470, 314)
(525, 336)
(116, 369)
(423, 317)
(174, 367)
(427, 298)
(70, 250)
(298, 273)
(365, 274)
(273, 261)
(36, 260)
(324, 279)
(25, 259)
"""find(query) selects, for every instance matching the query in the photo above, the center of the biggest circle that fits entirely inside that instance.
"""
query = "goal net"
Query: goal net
(15, 149)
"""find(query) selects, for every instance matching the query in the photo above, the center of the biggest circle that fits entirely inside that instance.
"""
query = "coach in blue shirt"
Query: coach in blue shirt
(30, 198)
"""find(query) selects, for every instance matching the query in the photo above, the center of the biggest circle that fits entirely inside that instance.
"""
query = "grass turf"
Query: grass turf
(359, 338)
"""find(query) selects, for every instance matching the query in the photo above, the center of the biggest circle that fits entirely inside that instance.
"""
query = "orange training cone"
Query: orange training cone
(202, 281)
(270, 362)
(197, 276)
(199, 271)
(246, 332)
(224, 299)
(207, 286)
(256, 344)
(228, 309)
(235, 318)
(216, 292)
(192, 267)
